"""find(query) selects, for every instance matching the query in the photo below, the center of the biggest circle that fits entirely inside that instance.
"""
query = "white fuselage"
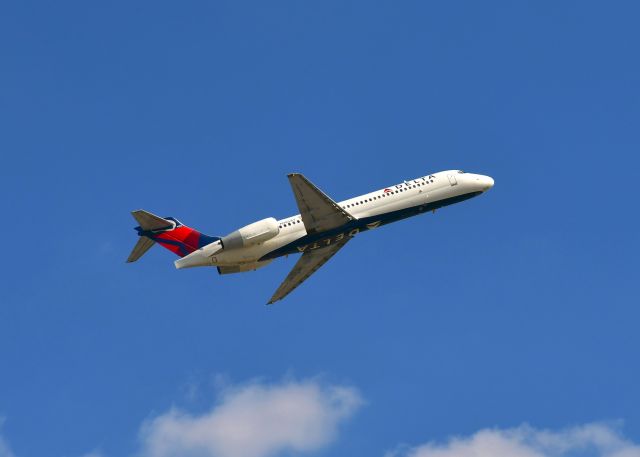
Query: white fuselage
(420, 192)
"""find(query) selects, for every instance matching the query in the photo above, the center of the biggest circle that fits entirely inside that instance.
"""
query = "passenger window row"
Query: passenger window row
(384, 195)
(362, 202)
(290, 223)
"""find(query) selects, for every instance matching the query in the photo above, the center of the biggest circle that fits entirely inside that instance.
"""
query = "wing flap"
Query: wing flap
(318, 211)
(306, 265)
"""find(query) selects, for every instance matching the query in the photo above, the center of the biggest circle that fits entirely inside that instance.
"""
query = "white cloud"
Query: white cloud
(254, 420)
(294, 417)
(5, 450)
(594, 440)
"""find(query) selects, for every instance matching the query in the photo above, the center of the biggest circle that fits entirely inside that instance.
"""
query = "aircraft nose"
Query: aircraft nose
(486, 182)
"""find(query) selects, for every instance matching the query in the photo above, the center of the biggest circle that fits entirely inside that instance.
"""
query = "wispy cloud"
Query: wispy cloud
(5, 450)
(254, 420)
(596, 440)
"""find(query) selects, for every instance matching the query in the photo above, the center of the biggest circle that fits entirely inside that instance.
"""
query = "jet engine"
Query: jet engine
(252, 234)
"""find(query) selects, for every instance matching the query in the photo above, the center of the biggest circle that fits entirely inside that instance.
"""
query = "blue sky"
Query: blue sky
(518, 307)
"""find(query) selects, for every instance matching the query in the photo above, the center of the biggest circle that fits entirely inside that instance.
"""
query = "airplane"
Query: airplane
(318, 232)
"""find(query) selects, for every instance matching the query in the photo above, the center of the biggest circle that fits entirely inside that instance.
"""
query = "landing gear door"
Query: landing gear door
(452, 180)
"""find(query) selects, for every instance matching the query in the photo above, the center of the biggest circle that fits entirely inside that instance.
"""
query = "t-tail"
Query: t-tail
(168, 233)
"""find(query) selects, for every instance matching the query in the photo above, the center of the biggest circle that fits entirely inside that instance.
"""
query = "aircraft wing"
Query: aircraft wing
(307, 264)
(318, 211)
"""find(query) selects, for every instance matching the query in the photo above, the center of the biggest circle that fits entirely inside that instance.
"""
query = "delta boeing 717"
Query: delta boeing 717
(318, 232)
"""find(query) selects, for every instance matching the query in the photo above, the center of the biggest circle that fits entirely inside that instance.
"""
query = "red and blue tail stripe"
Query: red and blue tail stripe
(178, 238)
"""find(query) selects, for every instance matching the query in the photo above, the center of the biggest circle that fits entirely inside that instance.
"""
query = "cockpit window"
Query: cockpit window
(460, 172)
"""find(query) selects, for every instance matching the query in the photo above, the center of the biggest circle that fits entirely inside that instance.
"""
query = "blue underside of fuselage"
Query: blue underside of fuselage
(323, 239)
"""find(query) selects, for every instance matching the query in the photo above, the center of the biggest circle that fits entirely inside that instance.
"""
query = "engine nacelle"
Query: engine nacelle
(252, 234)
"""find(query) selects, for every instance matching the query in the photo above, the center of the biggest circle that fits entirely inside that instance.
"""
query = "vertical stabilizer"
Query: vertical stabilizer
(169, 233)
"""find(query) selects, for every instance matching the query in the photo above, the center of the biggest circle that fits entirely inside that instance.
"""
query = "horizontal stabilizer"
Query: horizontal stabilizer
(150, 221)
(142, 246)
